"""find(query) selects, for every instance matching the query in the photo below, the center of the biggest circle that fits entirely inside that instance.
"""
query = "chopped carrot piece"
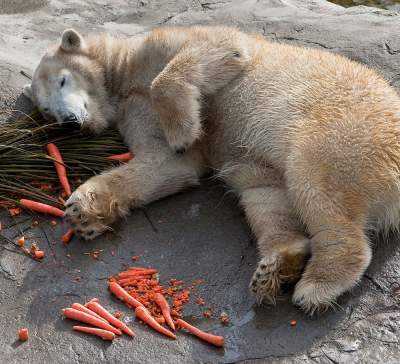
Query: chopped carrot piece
(293, 323)
(38, 254)
(212, 339)
(35, 223)
(14, 211)
(53, 222)
(67, 237)
(23, 335)
(21, 241)
(104, 334)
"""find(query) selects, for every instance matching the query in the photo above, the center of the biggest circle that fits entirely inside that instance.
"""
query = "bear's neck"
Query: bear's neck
(128, 65)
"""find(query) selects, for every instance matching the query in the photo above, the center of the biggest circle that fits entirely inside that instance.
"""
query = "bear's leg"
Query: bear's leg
(282, 247)
(97, 203)
(196, 71)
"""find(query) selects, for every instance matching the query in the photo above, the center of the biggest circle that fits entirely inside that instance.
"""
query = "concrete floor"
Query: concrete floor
(200, 233)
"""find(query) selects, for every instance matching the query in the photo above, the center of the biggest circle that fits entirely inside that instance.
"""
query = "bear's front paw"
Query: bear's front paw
(91, 209)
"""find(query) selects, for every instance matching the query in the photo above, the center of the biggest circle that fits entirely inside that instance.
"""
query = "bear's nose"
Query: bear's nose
(70, 117)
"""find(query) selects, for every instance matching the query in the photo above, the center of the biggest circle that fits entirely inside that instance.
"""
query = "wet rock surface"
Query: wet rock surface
(199, 233)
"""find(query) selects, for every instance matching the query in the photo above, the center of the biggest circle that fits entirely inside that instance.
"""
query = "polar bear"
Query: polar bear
(310, 142)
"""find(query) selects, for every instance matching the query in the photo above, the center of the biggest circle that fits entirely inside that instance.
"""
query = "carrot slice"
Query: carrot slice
(212, 339)
(121, 294)
(79, 307)
(60, 168)
(165, 309)
(38, 254)
(23, 334)
(41, 207)
(104, 334)
(101, 311)
(143, 314)
(66, 238)
(89, 319)
(125, 157)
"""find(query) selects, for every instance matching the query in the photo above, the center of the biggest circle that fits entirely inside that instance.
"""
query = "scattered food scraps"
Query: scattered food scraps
(53, 222)
(21, 241)
(293, 323)
(208, 313)
(224, 318)
(23, 335)
(135, 258)
(14, 211)
(38, 254)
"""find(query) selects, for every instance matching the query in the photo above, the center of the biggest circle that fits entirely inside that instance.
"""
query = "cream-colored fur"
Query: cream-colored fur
(310, 141)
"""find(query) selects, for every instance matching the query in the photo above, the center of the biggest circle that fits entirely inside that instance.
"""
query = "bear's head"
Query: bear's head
(68, 86)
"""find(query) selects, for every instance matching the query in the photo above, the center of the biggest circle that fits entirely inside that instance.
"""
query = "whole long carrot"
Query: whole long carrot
(89, 319)
(166, 311)
(143, 314)
(212, 339)
(129, 281)
(41, 207)
(118, 291)
(79, 307)
(100, 310)
(60, 168)
(125, 157)
(104, 334)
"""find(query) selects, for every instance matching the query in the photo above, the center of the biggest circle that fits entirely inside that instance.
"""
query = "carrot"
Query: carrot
(67, 237)
(125, 157)
(41, 207)
(101, 311)
(21, 241)
(38, 254)
(132, 273)
(79, 307)
(129, 281)
(118, 291)
(160, 319)
(60, 168)
(23, 334)
(212, 339)
(73, 314)
(166, 311)
(104, 334)
(143, 314)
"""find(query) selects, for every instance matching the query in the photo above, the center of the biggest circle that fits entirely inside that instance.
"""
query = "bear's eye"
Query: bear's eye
(62, 82)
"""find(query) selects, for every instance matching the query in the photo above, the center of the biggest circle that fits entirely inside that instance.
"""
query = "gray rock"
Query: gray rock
(197, 234)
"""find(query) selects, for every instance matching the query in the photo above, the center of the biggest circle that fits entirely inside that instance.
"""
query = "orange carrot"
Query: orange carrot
(89, 319)
(160, 319)
(125, 157)
(67, 237)
(60, 168)
(212, 339)
(132, 273)
(41, 207)
(104, 334)
(118, 291)
(79, 307)
(129, 281)
(143, 314)
(101, 311)
(23, 334)
(166, 311)
(38, 254)
(21, 241)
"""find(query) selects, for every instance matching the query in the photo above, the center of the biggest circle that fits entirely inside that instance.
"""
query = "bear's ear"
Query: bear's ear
(72, 41)
(27, 91)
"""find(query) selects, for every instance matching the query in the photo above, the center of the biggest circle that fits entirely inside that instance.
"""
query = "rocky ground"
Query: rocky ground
(197, 234)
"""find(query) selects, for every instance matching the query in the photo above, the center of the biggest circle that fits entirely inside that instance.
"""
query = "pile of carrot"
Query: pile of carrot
(140, 289)
(103, 323)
